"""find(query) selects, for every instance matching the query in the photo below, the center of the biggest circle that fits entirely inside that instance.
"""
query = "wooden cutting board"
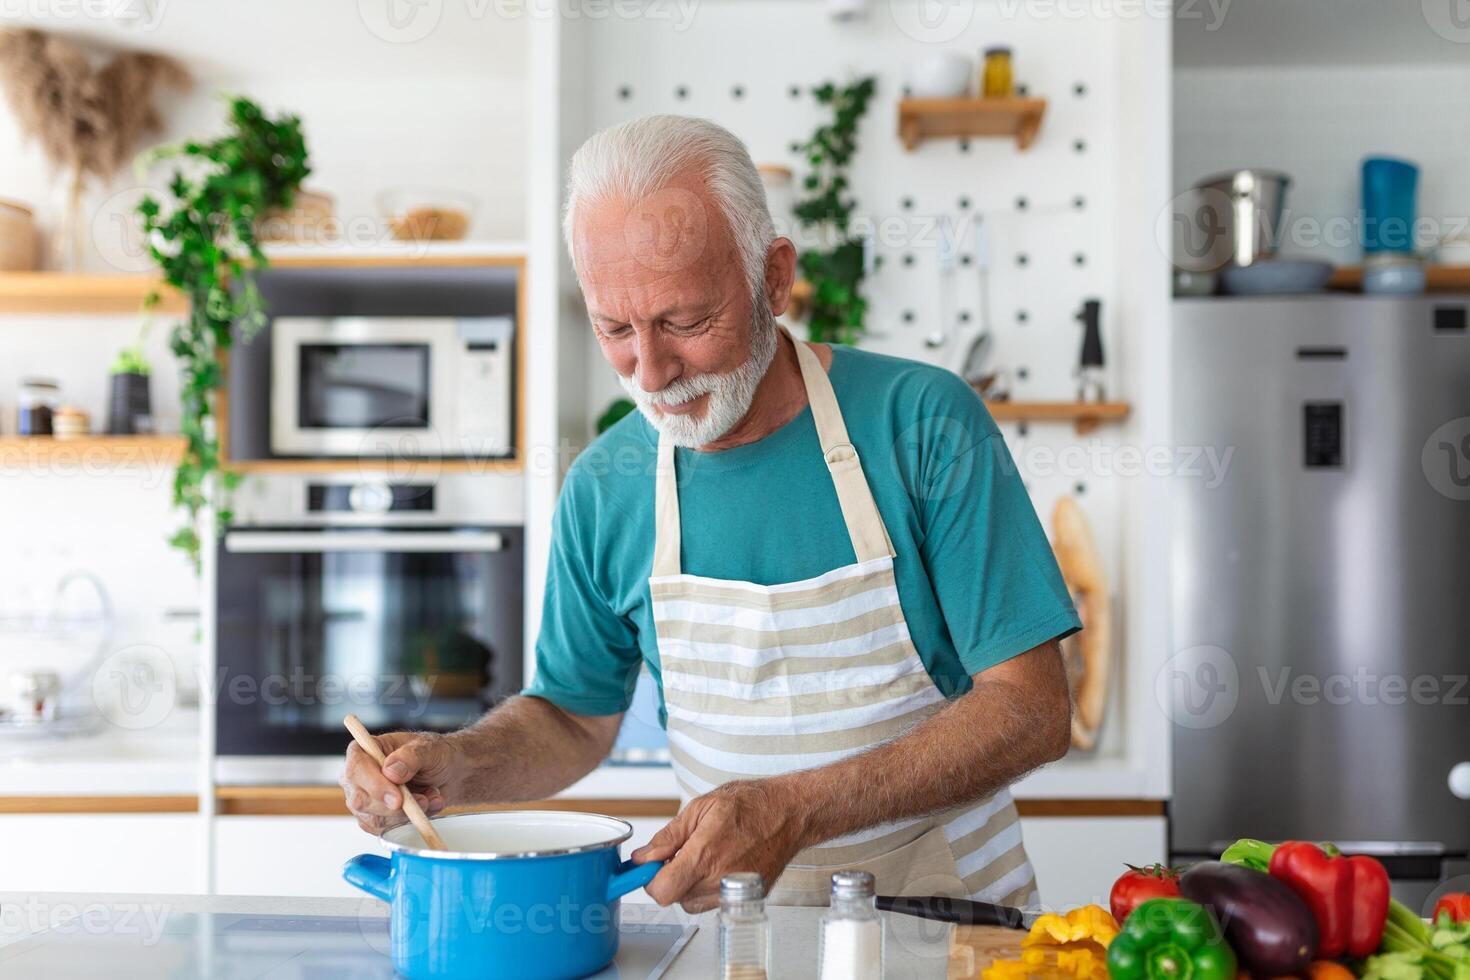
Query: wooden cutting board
(972, 948)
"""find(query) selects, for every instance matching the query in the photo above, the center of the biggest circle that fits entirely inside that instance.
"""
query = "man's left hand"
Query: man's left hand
(744, 825)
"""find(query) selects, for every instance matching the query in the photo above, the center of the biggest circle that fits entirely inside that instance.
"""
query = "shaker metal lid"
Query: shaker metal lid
(853, 884)
(746, 886)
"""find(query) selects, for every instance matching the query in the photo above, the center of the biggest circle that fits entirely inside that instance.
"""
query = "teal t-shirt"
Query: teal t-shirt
(976, 577)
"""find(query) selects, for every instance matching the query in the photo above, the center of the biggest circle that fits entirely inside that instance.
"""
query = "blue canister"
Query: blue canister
(529, 894)
(1389, 186)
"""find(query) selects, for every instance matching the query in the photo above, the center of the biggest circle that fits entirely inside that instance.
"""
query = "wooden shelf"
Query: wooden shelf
(1437, 278)
(87, 452)
(922, 119)
(62, 293)
(1085, 416)
(403, 466)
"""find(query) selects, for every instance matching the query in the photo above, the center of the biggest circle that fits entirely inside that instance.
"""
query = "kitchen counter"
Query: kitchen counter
(913, 947)
(158, 761)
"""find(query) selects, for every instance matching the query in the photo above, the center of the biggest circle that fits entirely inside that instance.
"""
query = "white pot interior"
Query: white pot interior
(516, 832)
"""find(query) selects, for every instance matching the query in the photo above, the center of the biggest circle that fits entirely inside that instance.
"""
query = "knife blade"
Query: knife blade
(960, 911)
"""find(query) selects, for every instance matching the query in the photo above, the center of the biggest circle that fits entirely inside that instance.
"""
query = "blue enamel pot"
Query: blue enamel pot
(529, 894)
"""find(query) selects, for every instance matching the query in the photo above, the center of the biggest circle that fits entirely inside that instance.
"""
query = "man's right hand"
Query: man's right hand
(426, 762)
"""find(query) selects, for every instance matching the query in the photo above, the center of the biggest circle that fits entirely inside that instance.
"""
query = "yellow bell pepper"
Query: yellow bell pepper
(1087, 923)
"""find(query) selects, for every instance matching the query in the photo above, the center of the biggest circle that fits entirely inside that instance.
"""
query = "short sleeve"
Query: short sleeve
(992, 569)
(587, 654)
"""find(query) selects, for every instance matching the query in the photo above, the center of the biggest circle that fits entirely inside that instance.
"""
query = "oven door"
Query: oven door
(363, 386)
(408, 629)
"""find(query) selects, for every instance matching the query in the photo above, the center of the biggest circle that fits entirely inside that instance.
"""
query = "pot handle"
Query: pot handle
(629, 877)
(371, 873)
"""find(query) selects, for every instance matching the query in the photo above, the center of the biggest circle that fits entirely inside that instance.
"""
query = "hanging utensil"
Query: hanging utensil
(948, 260)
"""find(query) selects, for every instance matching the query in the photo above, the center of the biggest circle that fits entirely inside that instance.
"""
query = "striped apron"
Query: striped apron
(762, 680)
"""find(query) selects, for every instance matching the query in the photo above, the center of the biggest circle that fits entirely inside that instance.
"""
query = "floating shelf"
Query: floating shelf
(923, 119)
(1085, 416)
(421, 469)
(63, 293)
(1437, 278)
(89, 452)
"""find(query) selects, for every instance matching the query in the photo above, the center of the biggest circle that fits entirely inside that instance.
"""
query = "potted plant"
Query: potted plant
(129, 407)
(201, 232)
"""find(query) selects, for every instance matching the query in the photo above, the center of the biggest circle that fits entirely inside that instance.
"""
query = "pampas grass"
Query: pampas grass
(87, 115)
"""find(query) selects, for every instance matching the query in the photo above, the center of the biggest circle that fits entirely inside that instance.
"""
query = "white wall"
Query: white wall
(1317, 124)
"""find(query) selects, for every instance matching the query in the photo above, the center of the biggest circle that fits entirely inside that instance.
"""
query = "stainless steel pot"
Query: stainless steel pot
(1238, 217)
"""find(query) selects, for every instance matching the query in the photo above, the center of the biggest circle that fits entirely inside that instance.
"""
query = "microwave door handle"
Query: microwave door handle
(280, 542)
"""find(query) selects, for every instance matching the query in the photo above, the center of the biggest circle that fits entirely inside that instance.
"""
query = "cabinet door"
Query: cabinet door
(1077, 859)
(294, 856)
(131, 853)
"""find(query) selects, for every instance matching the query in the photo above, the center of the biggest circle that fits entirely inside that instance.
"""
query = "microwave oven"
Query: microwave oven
(392, 386)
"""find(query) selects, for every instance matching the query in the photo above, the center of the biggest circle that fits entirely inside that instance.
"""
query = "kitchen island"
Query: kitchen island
(913, 947)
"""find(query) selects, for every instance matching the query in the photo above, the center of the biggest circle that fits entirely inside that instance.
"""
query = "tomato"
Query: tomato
(1138, 885)
(1456, 905)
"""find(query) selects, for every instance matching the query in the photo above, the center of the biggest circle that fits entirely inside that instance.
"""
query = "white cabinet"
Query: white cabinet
(135, 852)
(1077, 859)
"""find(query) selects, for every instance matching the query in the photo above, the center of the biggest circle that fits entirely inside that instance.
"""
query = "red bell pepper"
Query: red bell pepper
(1456, 905)
(1348, 896)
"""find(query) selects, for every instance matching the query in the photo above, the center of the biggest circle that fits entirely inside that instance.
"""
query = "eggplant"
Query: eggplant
(1267, 924)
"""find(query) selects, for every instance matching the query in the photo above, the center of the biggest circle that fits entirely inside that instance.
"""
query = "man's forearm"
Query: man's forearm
(527, 749)
(980, 743)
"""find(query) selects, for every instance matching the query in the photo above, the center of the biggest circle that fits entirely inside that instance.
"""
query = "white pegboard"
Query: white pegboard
(750, 67)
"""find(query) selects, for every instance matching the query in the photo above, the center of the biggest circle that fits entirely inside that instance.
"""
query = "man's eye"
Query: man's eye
(614, 332)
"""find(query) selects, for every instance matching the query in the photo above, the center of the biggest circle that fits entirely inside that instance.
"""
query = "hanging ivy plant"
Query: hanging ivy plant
(836, 268)
(202, 235)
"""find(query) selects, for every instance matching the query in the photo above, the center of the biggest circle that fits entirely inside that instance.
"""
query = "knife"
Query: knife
(960, 911)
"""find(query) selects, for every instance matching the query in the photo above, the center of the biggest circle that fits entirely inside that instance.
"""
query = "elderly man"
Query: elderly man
(823, 556)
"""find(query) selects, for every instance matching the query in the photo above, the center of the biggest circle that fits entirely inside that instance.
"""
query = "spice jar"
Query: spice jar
(745, 930)
(852, 934)
(996, 80)
(36, 402)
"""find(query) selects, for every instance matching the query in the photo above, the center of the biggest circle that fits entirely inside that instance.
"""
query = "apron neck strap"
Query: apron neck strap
(865, 526)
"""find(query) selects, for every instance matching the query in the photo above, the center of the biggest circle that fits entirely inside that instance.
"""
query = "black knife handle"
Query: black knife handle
(960, 911)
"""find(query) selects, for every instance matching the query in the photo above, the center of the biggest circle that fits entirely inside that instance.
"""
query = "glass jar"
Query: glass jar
(745, 929)
(996, 81)
(36, 403)
(852, 933)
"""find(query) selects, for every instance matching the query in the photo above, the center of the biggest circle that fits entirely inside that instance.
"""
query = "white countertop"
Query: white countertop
(158, 761)
(913, 947)
(164, 761)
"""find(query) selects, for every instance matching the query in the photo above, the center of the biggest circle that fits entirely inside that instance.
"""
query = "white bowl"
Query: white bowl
(942, 75)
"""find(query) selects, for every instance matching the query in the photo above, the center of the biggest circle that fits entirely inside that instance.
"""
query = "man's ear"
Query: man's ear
(780, 274)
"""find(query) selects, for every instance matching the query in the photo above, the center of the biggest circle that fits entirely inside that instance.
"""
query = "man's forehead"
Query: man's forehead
(672, 230)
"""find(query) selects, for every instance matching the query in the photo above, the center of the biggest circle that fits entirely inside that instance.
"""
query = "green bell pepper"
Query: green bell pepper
(1170, 939)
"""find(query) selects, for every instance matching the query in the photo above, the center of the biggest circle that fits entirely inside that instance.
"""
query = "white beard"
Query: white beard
(730, 394)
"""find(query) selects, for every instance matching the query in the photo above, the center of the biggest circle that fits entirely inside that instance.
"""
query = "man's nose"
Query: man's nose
(656, 366)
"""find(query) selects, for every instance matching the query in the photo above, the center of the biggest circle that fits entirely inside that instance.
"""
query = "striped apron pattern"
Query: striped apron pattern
(763, 680)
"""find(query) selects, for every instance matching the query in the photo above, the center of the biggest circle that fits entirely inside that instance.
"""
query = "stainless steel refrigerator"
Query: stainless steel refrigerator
(1321, 579)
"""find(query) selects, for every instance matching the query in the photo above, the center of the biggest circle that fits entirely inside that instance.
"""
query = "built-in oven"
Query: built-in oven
(376, 386)
(398, 602)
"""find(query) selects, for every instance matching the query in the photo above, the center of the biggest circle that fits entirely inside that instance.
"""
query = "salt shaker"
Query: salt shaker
(745, 930)
(852, 934)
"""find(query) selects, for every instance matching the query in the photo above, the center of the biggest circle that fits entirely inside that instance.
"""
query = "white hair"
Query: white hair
(638, 158)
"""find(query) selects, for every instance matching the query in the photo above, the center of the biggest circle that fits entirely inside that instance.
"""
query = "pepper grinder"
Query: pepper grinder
(1090, 363)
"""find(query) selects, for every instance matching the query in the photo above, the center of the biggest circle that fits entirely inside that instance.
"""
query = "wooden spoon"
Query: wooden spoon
(411, 808)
